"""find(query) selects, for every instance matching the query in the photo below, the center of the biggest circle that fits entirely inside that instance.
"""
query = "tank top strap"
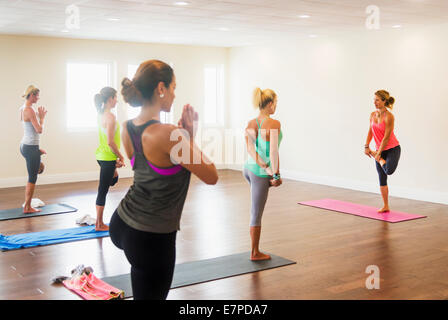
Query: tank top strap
(135, 133)
(260, 124)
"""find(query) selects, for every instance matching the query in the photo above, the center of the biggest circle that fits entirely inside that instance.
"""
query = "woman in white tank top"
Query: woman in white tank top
(33, 123)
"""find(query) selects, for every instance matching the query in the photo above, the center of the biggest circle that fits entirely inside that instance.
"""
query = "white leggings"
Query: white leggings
(259, 189)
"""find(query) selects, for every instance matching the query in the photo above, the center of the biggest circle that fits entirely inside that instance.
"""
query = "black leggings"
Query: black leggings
(391, 156)
(106, 180)
(152, 257)
(31, 153)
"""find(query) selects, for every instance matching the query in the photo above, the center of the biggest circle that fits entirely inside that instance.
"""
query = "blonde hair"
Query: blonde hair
(31, 90)
(384, 96)
(263, 97)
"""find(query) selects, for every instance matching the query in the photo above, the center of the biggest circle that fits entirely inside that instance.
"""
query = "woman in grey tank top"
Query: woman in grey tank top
(145, 223)
(33, 123)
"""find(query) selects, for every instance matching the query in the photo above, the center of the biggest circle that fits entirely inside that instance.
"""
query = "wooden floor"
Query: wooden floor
(332, 250)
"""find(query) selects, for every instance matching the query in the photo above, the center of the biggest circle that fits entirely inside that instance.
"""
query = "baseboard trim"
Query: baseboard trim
(396, 191)
(59, 178)
(68, 177)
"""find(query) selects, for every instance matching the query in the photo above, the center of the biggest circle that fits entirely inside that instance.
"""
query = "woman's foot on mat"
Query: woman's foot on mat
(384, 209)
(101, 227)
(30, 210)
(259, 256)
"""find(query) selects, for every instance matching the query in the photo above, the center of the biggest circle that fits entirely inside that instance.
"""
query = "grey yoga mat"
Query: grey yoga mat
(194, 272)
(17, 213)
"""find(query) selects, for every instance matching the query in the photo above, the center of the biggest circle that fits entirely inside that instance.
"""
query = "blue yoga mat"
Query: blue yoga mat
(43, 238)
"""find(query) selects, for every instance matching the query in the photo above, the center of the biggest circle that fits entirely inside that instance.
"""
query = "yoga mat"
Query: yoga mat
(17, 213)
(361, 210)
(189, 273)
(43, 238)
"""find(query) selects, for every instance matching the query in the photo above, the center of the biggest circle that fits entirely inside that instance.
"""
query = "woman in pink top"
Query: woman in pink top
(388, 150)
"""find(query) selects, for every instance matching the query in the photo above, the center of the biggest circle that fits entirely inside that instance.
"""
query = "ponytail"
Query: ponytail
(99, 101)
(257, 98)
(261, 98)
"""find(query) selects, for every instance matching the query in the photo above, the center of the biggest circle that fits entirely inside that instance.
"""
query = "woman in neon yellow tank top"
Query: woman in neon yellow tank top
(108, 153)
(262, 168)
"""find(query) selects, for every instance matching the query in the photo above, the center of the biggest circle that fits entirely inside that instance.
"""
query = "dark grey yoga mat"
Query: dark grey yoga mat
(189, 273)
(17, 213)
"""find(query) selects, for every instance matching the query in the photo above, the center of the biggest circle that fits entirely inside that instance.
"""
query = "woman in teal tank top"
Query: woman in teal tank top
(108, 153)
(262, 168)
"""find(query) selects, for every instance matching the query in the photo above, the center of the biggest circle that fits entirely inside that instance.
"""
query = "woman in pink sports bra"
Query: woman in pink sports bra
(388, 150)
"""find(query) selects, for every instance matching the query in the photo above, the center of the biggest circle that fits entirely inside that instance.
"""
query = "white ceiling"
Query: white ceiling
(224, 23)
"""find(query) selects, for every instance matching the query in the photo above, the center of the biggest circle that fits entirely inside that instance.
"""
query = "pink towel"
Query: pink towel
(90, 287)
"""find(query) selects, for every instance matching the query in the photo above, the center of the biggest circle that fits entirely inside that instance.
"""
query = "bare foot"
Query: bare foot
(31, 210)
(384, 209)
(259, 256)
(101, 227)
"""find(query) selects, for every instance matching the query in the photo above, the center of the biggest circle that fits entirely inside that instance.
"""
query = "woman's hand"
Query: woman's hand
(41, 113)
(368, 152)
(275, 183)
(120, 163)
(189, 120)
(378, 156)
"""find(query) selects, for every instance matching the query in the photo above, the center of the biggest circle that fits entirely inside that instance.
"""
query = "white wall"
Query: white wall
(42, 61)
(325, 92)
(325, 87)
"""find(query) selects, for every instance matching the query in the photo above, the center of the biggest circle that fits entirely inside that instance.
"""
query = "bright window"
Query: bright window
(165, 117)
(84, 80)
(214, 94)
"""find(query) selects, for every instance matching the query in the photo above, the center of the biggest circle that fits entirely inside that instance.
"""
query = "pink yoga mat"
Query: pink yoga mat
(361, 210)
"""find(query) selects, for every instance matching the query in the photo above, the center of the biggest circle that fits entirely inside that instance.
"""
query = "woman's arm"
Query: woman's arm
(251, 137)
(31, 115)
(186, 152)
(369, 137)
(110, 132)
(274, 132)
(182, 150)
(127, 143)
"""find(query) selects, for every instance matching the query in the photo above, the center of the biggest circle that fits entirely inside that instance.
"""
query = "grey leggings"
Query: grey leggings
(31, 153)
(259, 188)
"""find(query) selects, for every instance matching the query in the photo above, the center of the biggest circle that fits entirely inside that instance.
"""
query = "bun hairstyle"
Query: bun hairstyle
(101, 98)
(384, 96)
(148, 76)
(262, 97)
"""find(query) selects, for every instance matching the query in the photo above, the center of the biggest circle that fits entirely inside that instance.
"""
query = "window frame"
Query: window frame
(112, 72)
